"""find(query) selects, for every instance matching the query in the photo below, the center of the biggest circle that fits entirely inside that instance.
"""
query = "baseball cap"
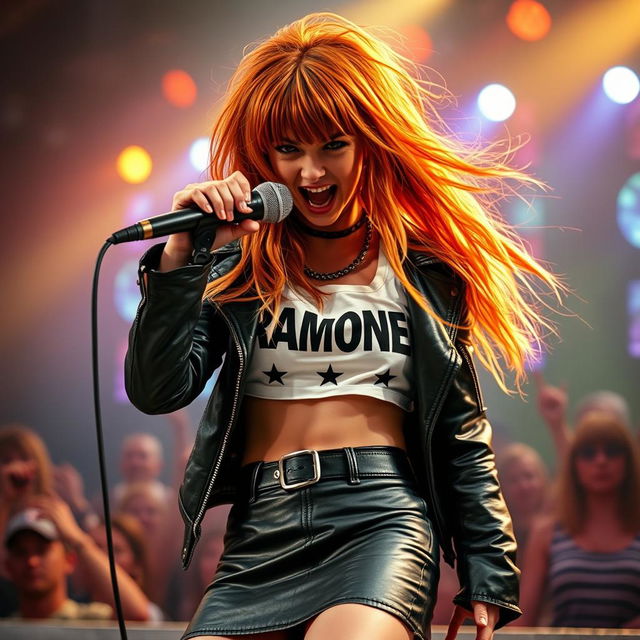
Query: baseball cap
(31, 520)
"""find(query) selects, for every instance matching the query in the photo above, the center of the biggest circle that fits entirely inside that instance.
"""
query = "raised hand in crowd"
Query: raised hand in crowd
(552, 403)
(91, 560)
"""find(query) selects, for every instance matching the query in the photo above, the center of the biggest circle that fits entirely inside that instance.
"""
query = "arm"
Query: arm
(176, 341)
(535, 570)
(552, 406)
(93, 562)
(477, 515)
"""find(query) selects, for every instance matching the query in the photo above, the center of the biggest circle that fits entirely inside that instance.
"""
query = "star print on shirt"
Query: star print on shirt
(384, 378)
(329, 376)
(275, 375)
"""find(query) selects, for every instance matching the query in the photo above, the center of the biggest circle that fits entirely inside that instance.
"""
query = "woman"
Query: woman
(340, 539)
(525, 485)
(589, 556)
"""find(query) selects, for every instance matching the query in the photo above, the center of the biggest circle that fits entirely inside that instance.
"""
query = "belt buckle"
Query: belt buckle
(315, 459)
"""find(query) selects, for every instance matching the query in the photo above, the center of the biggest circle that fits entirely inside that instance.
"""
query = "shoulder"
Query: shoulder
(433, 268)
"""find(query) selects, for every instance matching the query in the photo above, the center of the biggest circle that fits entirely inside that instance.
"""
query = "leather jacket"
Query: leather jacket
(177, 342)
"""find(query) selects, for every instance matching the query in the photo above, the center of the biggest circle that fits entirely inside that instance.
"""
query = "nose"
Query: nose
(311, 169)
(33, 560)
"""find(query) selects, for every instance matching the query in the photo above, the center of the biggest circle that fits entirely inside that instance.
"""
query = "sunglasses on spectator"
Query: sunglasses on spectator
(590, 451)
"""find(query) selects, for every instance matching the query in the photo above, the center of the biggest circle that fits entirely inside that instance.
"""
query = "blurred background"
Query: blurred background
(104, 105)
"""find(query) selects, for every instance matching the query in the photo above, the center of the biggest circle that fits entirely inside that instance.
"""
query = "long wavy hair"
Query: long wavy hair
(421, 188)
(594, 428)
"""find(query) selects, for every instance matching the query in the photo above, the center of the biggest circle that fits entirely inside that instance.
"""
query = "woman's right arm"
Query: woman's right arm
(535, 569)
(177, 341)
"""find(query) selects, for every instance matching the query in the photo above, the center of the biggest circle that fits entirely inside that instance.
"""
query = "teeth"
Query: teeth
(318, 189)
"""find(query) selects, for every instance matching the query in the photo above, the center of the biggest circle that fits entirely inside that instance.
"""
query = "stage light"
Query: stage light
(179, 88)
(529, 20)
(621, 85)
(496, 102)
(633, 309)
(199, 154)
(134, 164)
(629, 210)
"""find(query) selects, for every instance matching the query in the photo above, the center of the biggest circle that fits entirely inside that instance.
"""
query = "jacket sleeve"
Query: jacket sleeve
(176, 341)
(476, 512)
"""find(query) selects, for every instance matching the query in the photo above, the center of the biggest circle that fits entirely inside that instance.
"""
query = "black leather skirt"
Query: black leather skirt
(313, 531)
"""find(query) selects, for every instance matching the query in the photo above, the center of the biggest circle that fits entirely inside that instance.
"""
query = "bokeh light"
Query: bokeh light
(199, 154)
(417, 42)
(126, 294)
(621, 85)
(633, 307)
(629, 210)
(496, 102)
(179, 88)
(529, 20)
(134, 164)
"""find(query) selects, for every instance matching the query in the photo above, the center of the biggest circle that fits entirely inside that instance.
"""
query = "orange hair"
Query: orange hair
(422, 190)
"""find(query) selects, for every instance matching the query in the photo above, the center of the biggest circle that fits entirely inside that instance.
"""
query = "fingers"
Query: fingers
(485, 617)
(220, 197)
(459, 614)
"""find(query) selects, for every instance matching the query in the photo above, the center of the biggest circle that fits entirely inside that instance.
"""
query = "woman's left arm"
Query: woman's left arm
(475, 509)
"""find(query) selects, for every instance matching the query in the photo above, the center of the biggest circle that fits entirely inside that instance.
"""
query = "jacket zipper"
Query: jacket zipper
(227, 433)
(474, 376)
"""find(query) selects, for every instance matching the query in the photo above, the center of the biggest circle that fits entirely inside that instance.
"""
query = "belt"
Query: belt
(303, 468)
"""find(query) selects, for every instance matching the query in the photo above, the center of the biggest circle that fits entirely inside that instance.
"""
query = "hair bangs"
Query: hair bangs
(599, 426)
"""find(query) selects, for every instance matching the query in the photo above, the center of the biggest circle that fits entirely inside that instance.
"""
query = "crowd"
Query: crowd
(578, 529)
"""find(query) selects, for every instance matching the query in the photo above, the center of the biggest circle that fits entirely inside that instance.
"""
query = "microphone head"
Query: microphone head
(277, 201)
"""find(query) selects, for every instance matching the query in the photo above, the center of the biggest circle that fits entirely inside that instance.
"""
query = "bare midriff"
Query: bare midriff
(277, 427)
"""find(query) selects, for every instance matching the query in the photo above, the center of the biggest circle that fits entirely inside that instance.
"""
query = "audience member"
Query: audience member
(38, 563)
(525, 486)
(90, 560)
(131, 554)
(141, 461)
(25, 470)
(553, 402)
(589, 556)
(161, 525)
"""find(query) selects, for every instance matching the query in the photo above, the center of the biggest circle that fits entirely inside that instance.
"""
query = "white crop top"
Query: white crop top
(358, 344)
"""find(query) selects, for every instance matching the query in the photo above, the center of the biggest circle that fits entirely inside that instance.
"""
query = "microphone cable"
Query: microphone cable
(101, 457)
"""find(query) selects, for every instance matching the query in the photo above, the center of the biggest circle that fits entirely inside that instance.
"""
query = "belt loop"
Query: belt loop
(352, 463)
(253, 484)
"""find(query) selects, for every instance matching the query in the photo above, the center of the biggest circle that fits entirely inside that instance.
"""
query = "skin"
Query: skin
(273, 426)
(141, 458)
(91, 560)
(601, 477)
(38, 568)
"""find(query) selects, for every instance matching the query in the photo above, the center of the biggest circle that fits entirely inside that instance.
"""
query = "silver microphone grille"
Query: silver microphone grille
(277, 201)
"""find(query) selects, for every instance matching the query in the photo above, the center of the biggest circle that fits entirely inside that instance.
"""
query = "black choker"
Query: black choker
(330, 234)
(318, 275)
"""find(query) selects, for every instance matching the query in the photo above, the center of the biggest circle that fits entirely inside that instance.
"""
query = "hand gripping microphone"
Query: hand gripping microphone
(270, 202)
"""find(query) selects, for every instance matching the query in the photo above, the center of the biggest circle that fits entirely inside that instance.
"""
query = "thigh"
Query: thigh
(357, 622)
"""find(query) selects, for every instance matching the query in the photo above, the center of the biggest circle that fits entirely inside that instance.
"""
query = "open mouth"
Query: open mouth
(320, 198)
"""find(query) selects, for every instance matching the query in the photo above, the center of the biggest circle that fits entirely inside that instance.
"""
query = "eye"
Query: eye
(334, 145)
(285, 148)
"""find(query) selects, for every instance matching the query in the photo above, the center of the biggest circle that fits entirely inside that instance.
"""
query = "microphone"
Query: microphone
(270, 202)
